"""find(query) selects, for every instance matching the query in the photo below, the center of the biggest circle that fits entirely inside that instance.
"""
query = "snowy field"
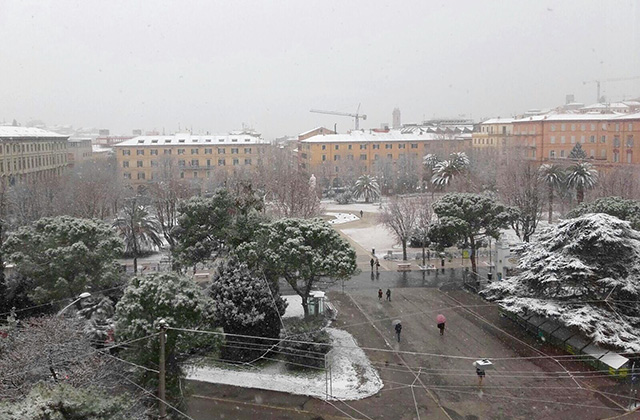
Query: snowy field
(331, 205)
(353, 376)
(339, 218)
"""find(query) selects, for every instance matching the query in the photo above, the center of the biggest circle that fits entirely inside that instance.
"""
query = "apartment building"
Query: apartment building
(330, 157)
(607, 139)
(493, 134)
(80, 150)
(28, 153)
(193, 157)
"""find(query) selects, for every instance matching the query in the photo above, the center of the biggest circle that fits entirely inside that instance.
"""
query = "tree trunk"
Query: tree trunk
(135, 265)
(305, 305)
(550, 203)
(472, 256)
(404, 250)
(580, 194)
(424, 262)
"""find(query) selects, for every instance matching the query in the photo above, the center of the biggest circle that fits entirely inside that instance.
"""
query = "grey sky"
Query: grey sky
(214, 65)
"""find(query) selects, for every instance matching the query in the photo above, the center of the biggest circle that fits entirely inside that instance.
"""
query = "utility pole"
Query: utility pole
(162, 408)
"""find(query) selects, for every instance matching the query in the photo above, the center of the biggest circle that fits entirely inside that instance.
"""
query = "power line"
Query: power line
(156, 397)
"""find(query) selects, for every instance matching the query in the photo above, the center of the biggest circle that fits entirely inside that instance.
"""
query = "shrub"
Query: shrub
(345, 198)
(309, 346)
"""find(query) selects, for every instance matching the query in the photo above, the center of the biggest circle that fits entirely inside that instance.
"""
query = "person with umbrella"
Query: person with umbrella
(481, 366)
(441, 320)
(398, 328)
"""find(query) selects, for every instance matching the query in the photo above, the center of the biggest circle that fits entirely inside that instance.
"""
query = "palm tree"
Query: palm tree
(581, 176)
(139, 229)
(367, 186)
(553, 177)
(447, 170)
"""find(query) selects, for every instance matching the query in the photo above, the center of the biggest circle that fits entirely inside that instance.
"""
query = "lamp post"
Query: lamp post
(81, 296)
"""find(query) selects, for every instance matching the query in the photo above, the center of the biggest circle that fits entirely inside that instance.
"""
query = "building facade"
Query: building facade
(193, 157)
(31, 153)
(333, 158)
(80, 150)
(495, 134)
(607, 139)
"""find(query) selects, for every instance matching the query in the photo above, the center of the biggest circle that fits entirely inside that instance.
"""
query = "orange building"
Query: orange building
(605, 138)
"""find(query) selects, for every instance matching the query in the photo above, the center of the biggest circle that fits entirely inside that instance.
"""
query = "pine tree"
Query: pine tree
(577, 153)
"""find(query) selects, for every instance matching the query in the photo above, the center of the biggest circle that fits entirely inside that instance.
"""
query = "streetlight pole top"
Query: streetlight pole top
(163, 324)
(81, 296)
(84, 295)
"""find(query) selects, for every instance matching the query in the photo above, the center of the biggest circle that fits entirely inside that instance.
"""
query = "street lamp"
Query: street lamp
(83, 295)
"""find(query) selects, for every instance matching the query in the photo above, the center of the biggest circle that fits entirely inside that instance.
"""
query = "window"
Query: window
(234, 140)
(336, 147)
(195, 174)
(195, 162)
(630, 141)
(552, 154)
(324, 147)
(139, 164)
(562, 127)
(562, 140)
(582, 139)
(181, 174)
(181, 151)
(125, 164)
(363, 147)
(616, 141)
(234, 150)
(324, 157)
(247, 150)
(194, 151)
(561, 153)
(337, 169)
(376, 157)
(592, 153)
(127, 175)
(376, 146)
(181, 163)
(583, 127)
(616, 156)
(573, 139)
(629, 155)
(336, 157)
(153, 152)
(220, 162)
(208, 163)
(617, 126)
(592, 139)
(604, 126)
(235, 162)
(221, 151)
(552, 140)
(208, 151)
(350, 147)
(141, 175)
(247, 161)
(363, 157)
(573, 127)
(139, 152)
(593, 127)
(603, 139)
(124, 153)
(167, 151)
(553, 127)
(603, 154)
(630, 127)
(389, 156)
(388, 146)
(414, 145)
(401, 146)
(154, 163)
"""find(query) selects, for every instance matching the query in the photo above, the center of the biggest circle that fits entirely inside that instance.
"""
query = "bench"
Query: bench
(404, 266)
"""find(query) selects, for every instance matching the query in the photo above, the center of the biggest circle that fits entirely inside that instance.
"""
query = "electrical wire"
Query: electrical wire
(156, 397)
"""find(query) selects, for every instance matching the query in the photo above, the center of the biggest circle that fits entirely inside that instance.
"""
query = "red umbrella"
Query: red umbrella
(441, 319)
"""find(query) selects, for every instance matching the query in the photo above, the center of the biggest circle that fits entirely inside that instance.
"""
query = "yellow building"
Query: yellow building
(31, 153)
(493, 134)
(336, 157)
(192, 157)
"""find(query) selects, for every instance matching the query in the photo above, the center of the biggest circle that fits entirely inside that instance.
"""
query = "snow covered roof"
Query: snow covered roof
(498, 121)
(372, 136)
(191, 140)
(27, 132)
(596, 116)
(314, 129)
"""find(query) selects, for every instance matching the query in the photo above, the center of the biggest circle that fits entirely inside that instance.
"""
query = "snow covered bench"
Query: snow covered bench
(404, 266)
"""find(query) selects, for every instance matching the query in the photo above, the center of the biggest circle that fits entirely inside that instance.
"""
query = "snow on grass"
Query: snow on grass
(340, 218)
(353, 376)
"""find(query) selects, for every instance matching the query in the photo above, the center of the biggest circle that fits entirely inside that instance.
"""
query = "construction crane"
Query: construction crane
(598, 82)
(355, 116)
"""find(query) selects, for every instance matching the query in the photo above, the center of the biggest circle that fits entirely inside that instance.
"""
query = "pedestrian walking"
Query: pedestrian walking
(398, 330)
(480, 373)
(372, 262)
(377, 265)
(441, 320)
(388, 295)
(481, 366)
(361, 214)
(380, 295)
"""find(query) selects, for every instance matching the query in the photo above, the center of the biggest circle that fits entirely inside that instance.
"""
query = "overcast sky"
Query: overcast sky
(215, 65)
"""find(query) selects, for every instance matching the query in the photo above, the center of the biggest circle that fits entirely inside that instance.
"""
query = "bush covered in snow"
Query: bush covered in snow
(345, 198)
(308, 346)
(621, 208)
(586, 273)
(244, 305)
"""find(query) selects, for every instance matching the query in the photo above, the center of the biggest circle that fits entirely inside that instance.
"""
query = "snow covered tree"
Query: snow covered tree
(62, 257)
(139, 229)
(444, 172)
(585, 272)
(203, 227)
(577, 153)
(424, 220)
(367, 186)
(581, 176)
(182, 304)
(302, 251)
(245, 305)
(63, 401)
(553, 177)
(521, 188)
(400, 217)
(470, 218)
(621, 208)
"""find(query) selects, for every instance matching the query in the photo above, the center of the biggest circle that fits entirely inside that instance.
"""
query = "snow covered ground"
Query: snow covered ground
(294, 307)
(353, 376)
(340, 218)
(331, 205)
